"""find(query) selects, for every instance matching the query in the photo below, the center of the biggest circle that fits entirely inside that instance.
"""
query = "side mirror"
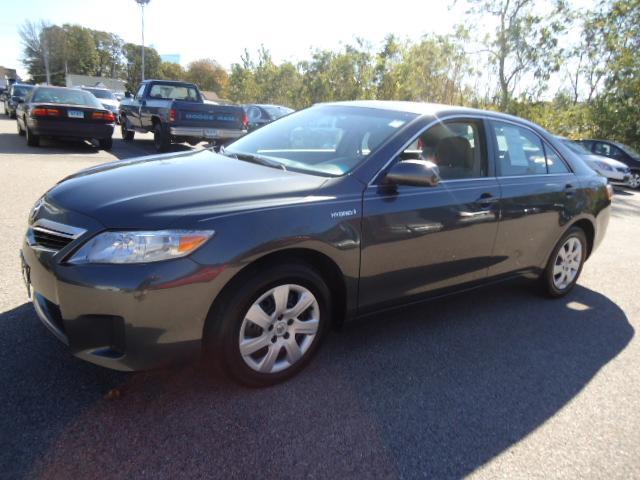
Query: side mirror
(21, 100)
(415, 173)
(127, 94)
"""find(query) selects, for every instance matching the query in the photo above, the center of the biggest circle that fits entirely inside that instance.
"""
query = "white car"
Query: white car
(613, 170)
(106, 98)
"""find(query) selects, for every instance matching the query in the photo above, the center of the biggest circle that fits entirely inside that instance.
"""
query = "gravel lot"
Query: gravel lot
(496, 383)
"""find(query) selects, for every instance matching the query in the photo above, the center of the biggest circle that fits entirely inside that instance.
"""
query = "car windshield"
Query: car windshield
(66, 96)
(329, 140)
(277, 112)
(22, 90)
(173, 92)
(100, 93)
(630, 150)
(576, 147)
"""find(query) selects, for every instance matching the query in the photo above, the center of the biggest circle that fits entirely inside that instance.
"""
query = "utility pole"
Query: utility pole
(142, 4)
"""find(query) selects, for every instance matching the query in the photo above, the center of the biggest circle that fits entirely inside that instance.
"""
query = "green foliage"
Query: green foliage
(208, 75)
(133, 58)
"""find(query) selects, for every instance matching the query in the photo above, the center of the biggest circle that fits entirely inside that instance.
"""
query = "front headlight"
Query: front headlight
(604, 166)
(140, 247)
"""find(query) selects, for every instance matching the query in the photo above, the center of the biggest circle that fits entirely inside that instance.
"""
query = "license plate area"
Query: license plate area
(211, 132)
(26, 275)
(75, 114)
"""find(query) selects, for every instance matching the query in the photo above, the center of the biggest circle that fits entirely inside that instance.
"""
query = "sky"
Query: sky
(222, 30)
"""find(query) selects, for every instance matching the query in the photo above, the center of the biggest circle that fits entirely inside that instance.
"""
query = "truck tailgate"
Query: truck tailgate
(190, 114)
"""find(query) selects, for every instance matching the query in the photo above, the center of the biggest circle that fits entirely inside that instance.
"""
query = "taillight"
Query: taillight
(105, 116)
(609, 191)
(45, 112)
(245, 120)
(172, 115)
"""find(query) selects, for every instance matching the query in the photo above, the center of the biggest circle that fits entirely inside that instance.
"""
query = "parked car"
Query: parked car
(250, 256)
(618, 151)
(614, 171)
(259, 115)
(176, 112)
(106, 98)
(64, 113)
(14, 96)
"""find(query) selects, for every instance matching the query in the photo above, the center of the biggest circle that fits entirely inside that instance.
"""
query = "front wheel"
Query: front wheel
(20, 130)
(127, 135)
(634, 181)
(565, 263)
(270, 327)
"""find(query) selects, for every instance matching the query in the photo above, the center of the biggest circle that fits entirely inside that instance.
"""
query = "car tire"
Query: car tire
(32, 140)
(12, 114)
(127, 135)
(106, 143)
(161, 139)
(565, 263)
(634, 181)
(20, 130)
(287, 339)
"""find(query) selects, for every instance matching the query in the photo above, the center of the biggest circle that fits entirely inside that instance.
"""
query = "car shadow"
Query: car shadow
(12, 143)
(435, 391)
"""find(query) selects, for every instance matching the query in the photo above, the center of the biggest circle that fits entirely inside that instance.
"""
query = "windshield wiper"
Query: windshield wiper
(253, 158)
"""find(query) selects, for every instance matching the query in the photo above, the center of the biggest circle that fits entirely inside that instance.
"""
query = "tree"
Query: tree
(133, 57)
(172, 71)
(208, 75)
(525, 42)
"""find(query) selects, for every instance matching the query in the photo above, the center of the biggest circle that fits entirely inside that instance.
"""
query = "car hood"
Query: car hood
(106, 101)
(178, 189)
(609, 161)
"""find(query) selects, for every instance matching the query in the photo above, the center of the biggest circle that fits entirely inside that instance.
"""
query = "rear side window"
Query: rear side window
(554, 162)
(520, 151)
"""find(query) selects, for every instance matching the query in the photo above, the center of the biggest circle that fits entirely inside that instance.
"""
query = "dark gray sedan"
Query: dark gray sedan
(331, 213)
(64, 113)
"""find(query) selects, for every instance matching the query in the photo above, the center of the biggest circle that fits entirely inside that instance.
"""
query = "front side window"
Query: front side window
(328, 140)
(455, 147)
(140, 91)
(606, 150)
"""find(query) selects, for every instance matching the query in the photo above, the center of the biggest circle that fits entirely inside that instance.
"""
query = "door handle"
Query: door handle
(569, 190)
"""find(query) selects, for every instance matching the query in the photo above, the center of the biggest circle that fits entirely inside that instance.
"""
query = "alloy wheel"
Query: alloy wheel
(634, 181)
(279, 328)
(567, 263)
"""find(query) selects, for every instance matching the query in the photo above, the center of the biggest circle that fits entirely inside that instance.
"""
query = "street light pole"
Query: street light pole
(142, 3)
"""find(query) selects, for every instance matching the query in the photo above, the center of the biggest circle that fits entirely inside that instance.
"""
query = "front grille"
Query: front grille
(51, 240)
(49, 235)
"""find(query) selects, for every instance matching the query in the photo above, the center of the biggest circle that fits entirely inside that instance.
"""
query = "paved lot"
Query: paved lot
(498, 383)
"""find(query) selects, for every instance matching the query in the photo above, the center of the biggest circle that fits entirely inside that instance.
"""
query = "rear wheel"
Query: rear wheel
(565, 263)
(127, 135)
(106, 143)
(161, 139)
(32, 140)
(270, 327)
(634, 181)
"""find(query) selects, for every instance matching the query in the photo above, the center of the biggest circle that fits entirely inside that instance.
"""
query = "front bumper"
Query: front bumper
(206, 133)
(124, 317)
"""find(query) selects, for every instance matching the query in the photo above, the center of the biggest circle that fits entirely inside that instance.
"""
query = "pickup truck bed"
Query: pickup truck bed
(183, 119)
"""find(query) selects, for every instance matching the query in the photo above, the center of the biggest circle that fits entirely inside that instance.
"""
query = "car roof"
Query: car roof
(170, 82)
(428, 109)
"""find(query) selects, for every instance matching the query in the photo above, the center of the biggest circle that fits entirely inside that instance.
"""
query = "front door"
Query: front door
(419, 239)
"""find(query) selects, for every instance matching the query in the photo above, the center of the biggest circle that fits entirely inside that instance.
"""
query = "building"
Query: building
(171, 58)
(116, 85)
(8, 76)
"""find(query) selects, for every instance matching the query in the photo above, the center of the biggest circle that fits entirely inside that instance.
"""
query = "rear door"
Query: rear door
(419, 239)
(538, 191)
